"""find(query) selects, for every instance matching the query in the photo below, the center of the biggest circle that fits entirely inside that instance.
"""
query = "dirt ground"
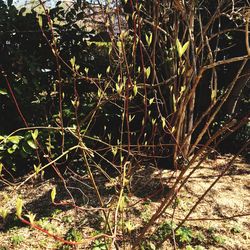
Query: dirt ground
(220, 221)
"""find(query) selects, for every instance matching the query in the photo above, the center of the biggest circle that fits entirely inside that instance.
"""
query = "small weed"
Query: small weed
(44, 223)
(73, 235)
(164, 230)
(99, 245)
(189, 247)
(43, 243)
(211, 230)
(129, 226)
(17, 239)
(219, 239)
(4, 213)
(235, 229)
(148, 245)
(67, 219)
(56, 212)
(146, 214)
(184, 234)
(200, 237)
(199, 248)
(65, 247)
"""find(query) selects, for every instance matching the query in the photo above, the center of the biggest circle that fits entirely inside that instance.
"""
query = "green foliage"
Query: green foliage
(236, 229)
(219, 239)
(185, 234)
(99, 245)
(73, 235)
(3, 213)
(17, 239)
(67, 219)
(19, 207)
(164, 230)
(47, 225)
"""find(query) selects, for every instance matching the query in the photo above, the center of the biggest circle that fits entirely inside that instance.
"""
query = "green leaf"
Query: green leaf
(32, 144)
(31, 217)
(129, 226)
(181, 49)
(73, 61)
(178, 47)
(185, 234)
(151, 100)
(1, 168)
(163, 120)
(37, 168)
(34, 134)
(15, 139)
(149, 38)
(108, 69)
(213, 95)
(3, 213)
(40, 21)
(53, 194)
(148, 71)
(12, 149)
(19, 207)
(26, 148)
(185, 46)
(135, 89)
(3, 92)
(114, 150)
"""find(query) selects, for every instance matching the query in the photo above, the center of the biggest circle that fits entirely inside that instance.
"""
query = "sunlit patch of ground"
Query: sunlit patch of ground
(216, 223)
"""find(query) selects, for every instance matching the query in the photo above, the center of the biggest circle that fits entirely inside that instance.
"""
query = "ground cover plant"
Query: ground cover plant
(124, 125)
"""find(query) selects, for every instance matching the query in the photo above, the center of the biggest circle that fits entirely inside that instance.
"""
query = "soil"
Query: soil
(220, 221)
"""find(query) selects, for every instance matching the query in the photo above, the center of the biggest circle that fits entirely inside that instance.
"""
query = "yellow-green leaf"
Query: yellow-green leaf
(129, 226)
(151, 100)
(163, 120)
(178, 47)
(40, 21)
(32, 144)
(1, 168)
(114, 150)
(3, 213)
(135, 89)
(19, 207)
(73, 61)
(34, 134)
(53, 194)
(15, 139)
(149, 38)
(3, 92)
(148, 71)
(31, 217)
(213, 95)
(185, 46)
(12, 149)
(181, 49)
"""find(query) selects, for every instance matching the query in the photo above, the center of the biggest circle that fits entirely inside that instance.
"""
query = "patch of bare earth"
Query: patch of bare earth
(220, 221)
